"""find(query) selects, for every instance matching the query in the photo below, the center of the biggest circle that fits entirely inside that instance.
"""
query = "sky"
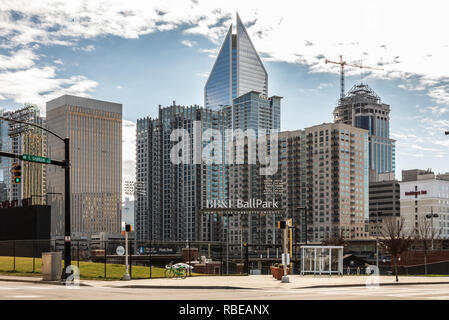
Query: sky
(149, 53)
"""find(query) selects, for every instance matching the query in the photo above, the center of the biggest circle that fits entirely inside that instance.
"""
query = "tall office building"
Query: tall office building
(384, 201)
(95, 131)
(238, 69)
(363, 108)
(22, 139)
(171, 195)
(255, 111)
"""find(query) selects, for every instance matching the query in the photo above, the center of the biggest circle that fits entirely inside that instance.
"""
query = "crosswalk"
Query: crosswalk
(396, 292)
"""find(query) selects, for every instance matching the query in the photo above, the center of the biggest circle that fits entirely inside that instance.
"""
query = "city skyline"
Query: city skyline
(177, 44)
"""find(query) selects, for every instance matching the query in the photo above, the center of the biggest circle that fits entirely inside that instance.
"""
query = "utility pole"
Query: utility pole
(432, 233)
(127, 229)
(67, 218)
(283, 225)
(285, 255)
(377, 235)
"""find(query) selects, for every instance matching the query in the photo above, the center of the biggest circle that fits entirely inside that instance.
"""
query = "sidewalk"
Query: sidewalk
(268, 282)
(252, 282)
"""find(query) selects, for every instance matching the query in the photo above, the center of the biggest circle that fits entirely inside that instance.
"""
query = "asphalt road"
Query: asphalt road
(28, 291)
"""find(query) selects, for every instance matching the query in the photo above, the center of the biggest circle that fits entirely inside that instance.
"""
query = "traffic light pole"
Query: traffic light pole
(66, 165)
(67, 224)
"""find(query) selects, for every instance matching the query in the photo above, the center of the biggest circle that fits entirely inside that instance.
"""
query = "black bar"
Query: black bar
(34, 255)
(130, 258)
(150, 259)
(78, 252)
(105, 257)
(67, 222)
(188, 247)
(14, 252)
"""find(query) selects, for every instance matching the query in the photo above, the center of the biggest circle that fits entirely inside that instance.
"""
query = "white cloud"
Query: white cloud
(188, 43)
(41, 84)
(211, 53)
(87, 48)
(203, 74)
(21, 59)
(380, 33)
(438, 111)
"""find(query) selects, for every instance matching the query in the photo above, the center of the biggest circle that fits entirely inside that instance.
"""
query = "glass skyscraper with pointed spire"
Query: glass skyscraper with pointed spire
(238, 70)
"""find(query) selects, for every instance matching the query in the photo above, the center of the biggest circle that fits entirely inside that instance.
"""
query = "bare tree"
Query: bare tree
(337, 239)
(396, 240)
(426, 236)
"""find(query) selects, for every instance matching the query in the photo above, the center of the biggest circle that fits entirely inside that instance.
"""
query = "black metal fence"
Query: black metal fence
(147, 259)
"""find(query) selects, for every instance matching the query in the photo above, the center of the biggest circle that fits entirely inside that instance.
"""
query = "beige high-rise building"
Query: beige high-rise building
(95, 131)
(24, 139)
(337, 181)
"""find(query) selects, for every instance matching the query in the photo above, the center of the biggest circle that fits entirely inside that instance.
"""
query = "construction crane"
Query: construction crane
(342, 72)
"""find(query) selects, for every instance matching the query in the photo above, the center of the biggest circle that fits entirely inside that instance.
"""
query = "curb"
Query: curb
(380, 284)
(182, 287)
(57, 282)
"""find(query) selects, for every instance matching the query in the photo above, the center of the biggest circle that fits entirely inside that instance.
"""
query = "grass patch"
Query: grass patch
(88, 270)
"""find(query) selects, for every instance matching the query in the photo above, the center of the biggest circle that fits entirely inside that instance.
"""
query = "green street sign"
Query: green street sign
(29, 157)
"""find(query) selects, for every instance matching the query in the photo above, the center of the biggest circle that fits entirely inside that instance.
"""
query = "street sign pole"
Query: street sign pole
(285, 259)
(126, 276)
(67, 220)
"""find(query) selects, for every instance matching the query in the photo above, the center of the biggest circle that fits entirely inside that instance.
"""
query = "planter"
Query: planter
(278, 272)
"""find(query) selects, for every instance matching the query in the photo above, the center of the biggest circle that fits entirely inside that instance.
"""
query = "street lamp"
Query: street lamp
(431, 216)
(66, 165)
(377, 235)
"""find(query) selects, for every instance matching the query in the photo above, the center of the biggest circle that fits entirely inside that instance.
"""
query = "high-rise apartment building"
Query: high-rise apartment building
(337, 181)
(94, 128)
(173, 193)
(363, 108)
(324, 175)
(238, 70)
(22, 139)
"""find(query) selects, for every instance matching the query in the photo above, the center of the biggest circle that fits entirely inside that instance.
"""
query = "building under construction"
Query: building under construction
(361, 107)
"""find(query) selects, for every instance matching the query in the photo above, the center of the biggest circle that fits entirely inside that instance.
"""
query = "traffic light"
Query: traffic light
(16, 173)
(128, 228)
(282, 224)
